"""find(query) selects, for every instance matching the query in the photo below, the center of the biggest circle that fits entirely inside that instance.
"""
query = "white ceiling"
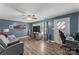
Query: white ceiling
(14, 11)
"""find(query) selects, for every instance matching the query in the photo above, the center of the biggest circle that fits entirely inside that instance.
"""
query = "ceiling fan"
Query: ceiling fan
(28, 17)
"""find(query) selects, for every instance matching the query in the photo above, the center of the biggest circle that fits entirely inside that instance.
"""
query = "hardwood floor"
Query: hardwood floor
(39, 47)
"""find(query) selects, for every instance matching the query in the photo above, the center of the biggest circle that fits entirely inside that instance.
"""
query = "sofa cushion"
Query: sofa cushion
(4, 33)
(1, 48)
(11, 37)
(3, 44)
(4, 41)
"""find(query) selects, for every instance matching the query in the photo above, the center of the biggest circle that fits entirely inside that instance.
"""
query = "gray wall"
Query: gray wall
(4, 24)
(73, 21)
(50, 30)
(78, 22)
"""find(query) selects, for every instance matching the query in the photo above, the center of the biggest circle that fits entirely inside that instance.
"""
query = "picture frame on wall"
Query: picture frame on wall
(19, 27)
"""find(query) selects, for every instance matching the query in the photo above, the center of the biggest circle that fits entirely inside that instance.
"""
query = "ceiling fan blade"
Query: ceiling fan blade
(34, 18)
(26, 16)
(19, 11)
(20, 16)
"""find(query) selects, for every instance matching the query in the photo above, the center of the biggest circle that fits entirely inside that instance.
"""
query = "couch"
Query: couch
(14, 47)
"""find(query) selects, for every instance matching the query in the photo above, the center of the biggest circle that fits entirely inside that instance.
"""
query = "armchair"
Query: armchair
(14, 49)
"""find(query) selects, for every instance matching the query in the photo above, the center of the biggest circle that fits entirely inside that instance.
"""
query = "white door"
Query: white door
(62, 24)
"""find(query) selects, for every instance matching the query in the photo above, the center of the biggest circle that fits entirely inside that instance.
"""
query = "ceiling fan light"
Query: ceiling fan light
(29, 18)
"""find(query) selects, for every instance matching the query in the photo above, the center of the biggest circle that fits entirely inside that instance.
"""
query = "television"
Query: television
(36, 28)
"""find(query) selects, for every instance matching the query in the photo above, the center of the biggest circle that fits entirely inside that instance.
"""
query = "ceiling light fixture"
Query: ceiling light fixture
(30, 17)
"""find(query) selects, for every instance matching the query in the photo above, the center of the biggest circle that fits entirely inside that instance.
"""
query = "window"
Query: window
(61, 25)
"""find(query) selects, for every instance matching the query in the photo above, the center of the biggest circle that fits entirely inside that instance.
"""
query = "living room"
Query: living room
(39, 28)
